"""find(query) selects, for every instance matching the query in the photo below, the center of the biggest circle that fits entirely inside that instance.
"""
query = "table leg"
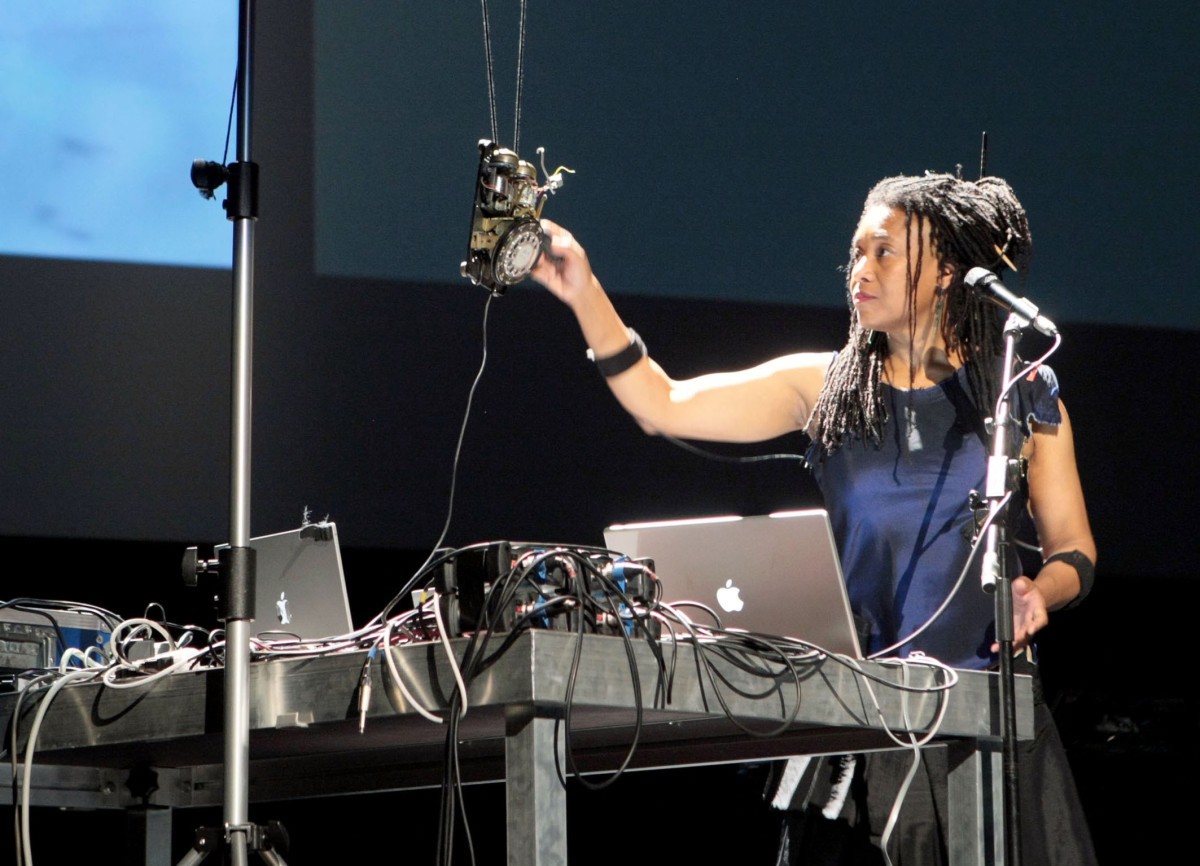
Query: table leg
(148, 836)
(976, 786)
(535, 799)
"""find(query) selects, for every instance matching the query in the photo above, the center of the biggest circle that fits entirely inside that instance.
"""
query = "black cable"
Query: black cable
(732, 458)
(790, 718)
(429, 563)
(572, 678)
(237, 73)
(452, 802)
(462, 431)
(611, 591)
(491, 83)
(581, 574)
(669, 671)
(110, 618)
(716, 617)
(426, 569)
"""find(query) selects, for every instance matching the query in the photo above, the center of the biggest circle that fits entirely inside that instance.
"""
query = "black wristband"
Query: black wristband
(1083, 567)
(615, 364)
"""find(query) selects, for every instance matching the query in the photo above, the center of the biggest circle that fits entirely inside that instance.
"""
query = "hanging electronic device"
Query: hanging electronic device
(506, 238)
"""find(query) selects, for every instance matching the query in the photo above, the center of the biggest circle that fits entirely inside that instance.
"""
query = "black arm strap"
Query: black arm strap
(1083, 566)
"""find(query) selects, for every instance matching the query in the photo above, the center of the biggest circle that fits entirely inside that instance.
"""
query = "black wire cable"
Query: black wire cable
(108, 616)
(716, 617)
(433, 560)
(237, 73)
(585, 608)
(789, 719)
(520, 78)
(588, 604)
(491, 81)
(572, 679)
(452, 803)
(732, 458)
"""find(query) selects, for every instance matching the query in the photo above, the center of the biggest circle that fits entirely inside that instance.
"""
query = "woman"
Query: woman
(898, 443)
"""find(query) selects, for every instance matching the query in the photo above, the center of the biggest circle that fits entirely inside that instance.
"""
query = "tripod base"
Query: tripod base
(262, 840)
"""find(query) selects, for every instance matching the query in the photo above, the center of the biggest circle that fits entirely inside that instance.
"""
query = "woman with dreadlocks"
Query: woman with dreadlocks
(895, 420)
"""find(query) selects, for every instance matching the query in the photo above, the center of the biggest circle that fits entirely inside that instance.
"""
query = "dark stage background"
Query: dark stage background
(115, 391)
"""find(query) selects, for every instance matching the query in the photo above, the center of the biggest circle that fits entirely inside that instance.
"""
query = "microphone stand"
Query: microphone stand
(997, 580)
(236, 562)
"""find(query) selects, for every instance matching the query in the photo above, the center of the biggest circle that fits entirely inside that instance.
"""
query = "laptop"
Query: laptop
(776, 574)
(300, 589)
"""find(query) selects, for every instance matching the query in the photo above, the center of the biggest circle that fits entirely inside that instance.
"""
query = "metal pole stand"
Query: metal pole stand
(237, 561)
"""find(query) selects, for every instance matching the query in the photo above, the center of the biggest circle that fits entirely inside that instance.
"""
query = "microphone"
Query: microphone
(984, 281)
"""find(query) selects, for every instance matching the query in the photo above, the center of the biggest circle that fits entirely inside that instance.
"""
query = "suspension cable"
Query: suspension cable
(491, 73)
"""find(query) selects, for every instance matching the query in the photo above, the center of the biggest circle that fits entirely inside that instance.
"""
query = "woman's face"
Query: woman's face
(879, 272)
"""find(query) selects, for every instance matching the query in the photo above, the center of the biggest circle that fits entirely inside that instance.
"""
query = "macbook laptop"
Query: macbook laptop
(776, 574)
(300, 589)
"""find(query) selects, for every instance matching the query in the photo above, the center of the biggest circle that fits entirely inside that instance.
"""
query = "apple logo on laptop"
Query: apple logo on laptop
(729, 597)
(283, 610)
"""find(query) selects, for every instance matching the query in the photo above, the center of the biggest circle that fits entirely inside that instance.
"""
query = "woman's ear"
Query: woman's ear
(946, 275)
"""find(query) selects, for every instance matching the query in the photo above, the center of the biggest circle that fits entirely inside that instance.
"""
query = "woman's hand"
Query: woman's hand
(563, 267)
(1030, 613)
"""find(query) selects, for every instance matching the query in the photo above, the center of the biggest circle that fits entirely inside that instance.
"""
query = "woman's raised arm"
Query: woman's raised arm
(741, 406)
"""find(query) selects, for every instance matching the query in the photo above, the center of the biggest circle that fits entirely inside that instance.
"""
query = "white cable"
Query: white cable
(1029, 368)
(74, 653)
(309, 647)
(462, 687)
(30, 746)
(399, 680)
(136, 625)
(902, 791)
(101, 661)
(914, 742)
(14, 730)
(181, 660)
(943, 701)
(962, 576)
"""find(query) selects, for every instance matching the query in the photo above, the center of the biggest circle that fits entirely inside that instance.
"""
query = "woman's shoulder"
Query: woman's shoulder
(1037, 397)
(806, 372)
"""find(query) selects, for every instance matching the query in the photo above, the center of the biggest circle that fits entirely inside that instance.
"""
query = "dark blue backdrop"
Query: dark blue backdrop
(723, 148)
(722, 152)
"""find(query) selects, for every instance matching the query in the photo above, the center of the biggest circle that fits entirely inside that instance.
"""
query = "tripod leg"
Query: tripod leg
(192, 857)
(207, 839)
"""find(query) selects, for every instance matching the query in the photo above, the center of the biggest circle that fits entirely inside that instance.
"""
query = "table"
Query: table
(305, 738)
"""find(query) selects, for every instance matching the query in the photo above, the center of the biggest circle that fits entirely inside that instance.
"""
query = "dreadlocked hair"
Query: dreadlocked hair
(971, 224)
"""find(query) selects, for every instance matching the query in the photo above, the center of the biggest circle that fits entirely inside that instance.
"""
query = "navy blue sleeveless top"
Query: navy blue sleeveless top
(901, 517)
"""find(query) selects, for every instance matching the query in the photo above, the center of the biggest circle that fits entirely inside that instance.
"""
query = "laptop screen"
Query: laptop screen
(300, 589)
(775, 574)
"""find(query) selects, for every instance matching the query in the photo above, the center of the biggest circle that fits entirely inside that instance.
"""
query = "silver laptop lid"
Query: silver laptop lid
(300, 589)
(776, 574)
